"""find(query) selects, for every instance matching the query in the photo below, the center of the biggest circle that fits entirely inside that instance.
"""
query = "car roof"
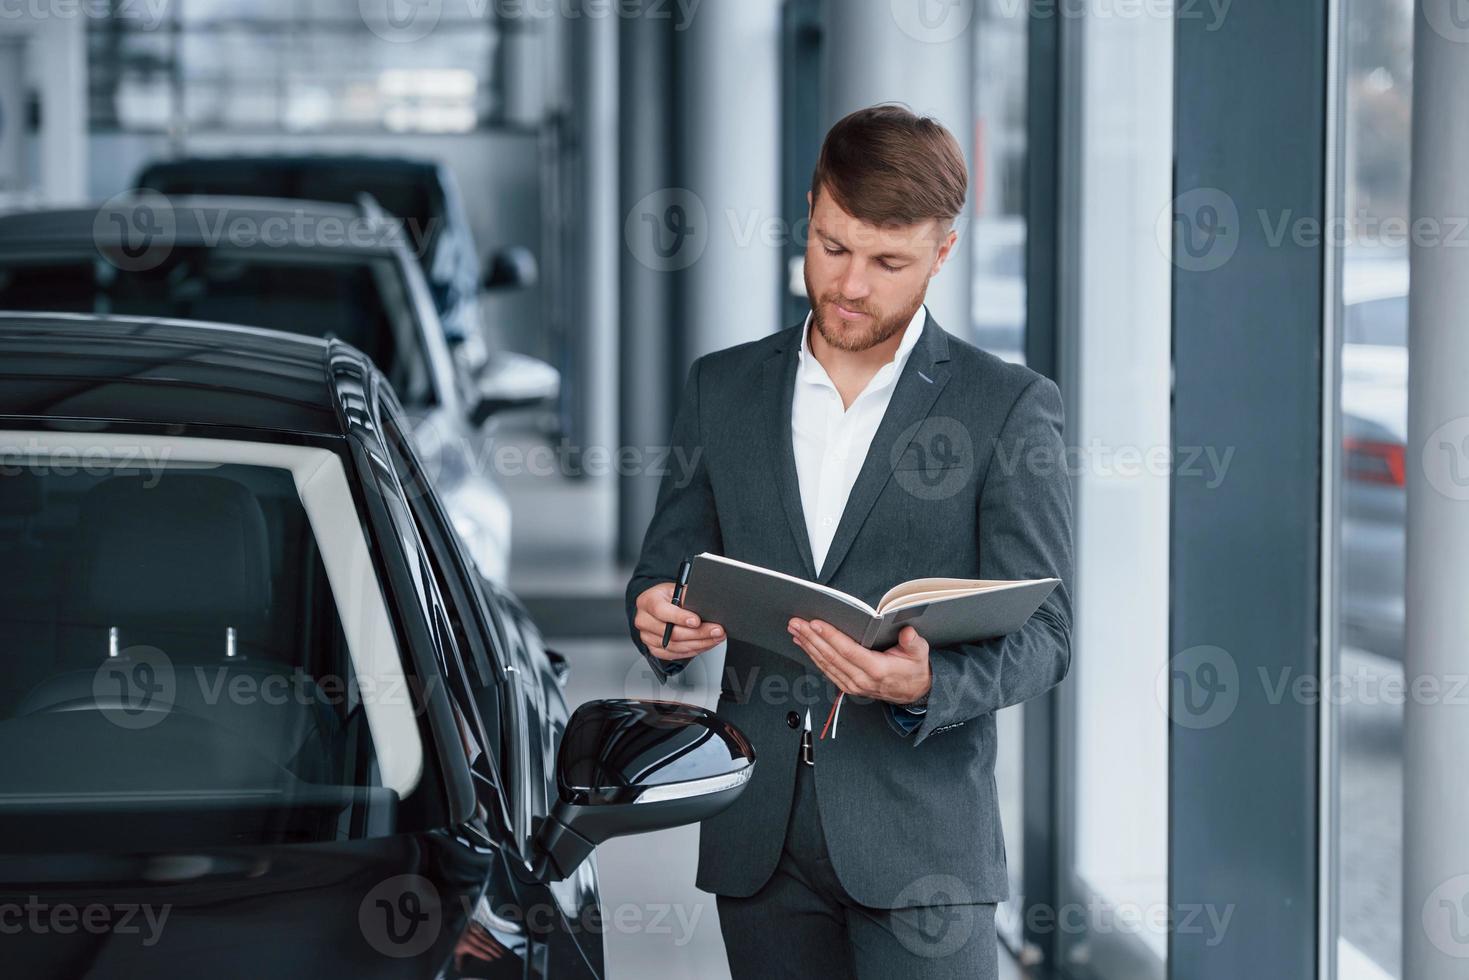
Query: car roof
(139, 369)
(203, 220)
(289, 161)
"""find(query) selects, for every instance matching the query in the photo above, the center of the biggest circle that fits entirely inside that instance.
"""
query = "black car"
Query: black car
(421, 192)
(259, 717)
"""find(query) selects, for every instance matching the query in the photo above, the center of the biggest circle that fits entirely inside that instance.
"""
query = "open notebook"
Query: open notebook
(753, 604)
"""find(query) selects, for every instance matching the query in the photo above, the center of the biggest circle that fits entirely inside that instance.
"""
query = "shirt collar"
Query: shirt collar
(812, 370)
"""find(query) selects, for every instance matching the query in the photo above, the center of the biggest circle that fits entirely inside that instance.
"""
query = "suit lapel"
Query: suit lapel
(918, 387)
(778, 390)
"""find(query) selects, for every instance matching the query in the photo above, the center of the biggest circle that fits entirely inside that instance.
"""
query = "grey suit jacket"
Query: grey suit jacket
(966, 477)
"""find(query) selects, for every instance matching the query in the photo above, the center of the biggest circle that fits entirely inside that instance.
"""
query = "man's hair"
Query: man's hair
(887, 166)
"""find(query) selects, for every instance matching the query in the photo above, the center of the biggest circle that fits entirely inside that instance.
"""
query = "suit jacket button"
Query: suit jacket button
(793, 719)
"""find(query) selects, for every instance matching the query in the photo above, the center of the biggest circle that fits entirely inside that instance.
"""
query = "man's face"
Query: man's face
(865, 283)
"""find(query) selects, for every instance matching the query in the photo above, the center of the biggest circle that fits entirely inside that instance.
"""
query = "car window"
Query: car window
(169, 629)
(409, 193)
(361, 300)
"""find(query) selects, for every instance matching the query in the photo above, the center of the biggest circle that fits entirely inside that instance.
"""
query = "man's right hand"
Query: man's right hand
(691, 636)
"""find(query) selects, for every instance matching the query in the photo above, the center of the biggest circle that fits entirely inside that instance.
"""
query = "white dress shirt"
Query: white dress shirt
(831, 442)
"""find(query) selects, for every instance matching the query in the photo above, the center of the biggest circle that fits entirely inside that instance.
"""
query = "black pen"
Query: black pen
(678, 587)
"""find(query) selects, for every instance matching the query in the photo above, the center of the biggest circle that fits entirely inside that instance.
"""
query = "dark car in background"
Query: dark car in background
(302, 267)
(259, 716)
(421, 192)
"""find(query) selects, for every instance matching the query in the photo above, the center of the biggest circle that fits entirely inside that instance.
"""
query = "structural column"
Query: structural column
(1436, 795)
(922, 55)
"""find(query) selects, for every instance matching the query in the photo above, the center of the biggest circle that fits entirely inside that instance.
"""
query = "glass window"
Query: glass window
(1375, 106)
(171, 633)
(294, 65)
(1117, 358)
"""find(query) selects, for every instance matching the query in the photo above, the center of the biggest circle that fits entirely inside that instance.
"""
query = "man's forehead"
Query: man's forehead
(851, 232)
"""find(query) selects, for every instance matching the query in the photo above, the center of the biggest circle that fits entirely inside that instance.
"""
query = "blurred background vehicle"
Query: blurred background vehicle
(302, 267)
(421, 192)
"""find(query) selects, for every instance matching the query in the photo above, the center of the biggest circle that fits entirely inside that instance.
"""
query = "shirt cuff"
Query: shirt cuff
(904, 718)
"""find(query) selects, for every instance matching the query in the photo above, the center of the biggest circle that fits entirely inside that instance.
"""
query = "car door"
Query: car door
(509, 686)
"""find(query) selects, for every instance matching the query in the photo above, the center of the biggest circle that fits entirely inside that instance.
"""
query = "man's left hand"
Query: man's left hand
(898, 674)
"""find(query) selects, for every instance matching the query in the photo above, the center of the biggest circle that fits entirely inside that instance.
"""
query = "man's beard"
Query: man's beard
(854, 337)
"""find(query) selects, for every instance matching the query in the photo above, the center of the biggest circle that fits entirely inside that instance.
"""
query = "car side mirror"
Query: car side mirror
(512, 267)
(509, 380)
(629, 767)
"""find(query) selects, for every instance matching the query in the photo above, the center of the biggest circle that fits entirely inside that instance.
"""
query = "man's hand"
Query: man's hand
(899, 674)
(690, 637)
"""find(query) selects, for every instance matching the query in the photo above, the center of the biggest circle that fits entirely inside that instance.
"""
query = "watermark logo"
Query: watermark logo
(933, 458)
(936, 916)
(667, 230)
(402, 916)
(933, 21)
(1449, 19)
(401, 21)
(135, 230)
(1199, 688)
(1199, 229)
(1446, 459)
(1446, 917)
(136, 688)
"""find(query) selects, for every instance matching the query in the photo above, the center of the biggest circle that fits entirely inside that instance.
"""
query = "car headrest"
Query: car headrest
(190, 552)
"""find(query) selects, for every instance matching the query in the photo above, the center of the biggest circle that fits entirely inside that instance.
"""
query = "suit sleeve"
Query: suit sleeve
(1024, 533)
(684, 519)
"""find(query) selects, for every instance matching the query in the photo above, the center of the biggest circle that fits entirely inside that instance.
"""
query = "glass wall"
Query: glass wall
(1116, 271)
(1369, 232)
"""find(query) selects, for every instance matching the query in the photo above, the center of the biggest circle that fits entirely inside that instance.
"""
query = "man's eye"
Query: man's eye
(888, 268)
(832, 251)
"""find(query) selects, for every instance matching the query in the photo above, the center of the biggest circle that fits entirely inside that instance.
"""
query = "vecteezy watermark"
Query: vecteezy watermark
(1445, 917)
(1449, 19)
(1096, 917)
(933, 458)
(144, 15)
(1446, 458)
(138, 230)
(1104, 461)
(135, 230)
(933, 21)
(1199, 688)
(401, 21)
(135, 687)
(402, 916)
(935, 916)
(38, 917)
(138, 686)
(29, 457)
(667, 230)
(1201, 229)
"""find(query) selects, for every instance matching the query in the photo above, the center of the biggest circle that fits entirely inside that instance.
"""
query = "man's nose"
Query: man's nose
(854, 284)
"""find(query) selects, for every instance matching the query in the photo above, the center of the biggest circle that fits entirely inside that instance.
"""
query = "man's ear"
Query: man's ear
(944, 250)
(810, 206)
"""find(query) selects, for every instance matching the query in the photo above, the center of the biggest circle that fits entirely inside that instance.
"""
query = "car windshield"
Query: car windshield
(185, 642)
(360, 300)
